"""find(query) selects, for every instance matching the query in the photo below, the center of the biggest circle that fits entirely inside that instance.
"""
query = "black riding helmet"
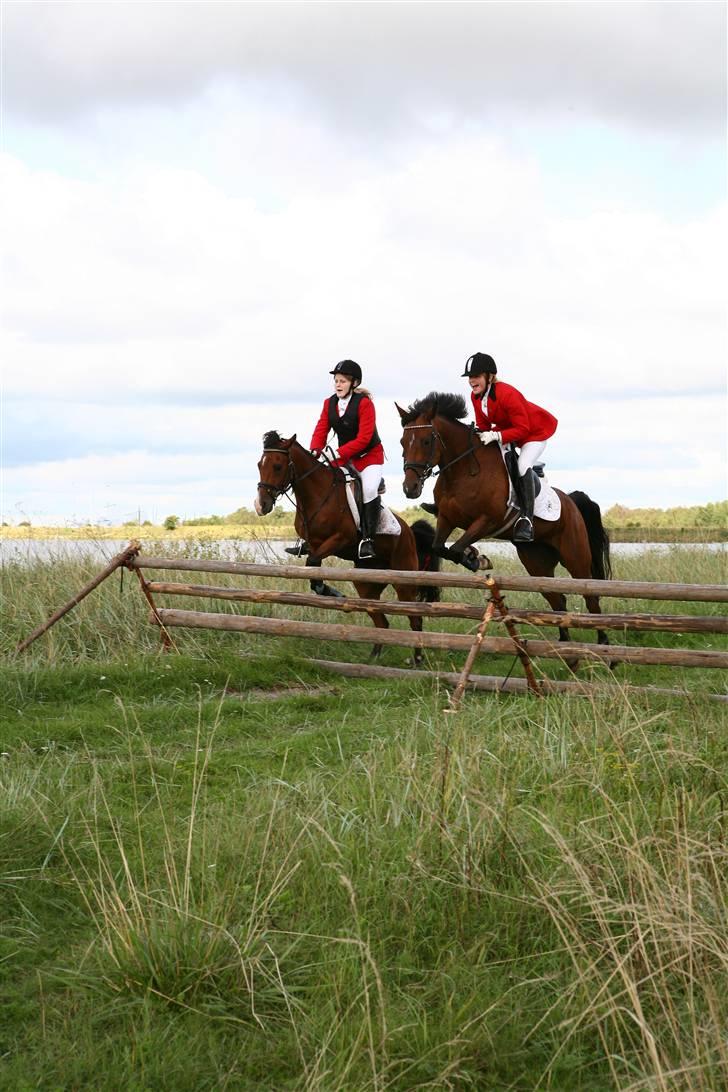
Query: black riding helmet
(348, 367)
(479, 364)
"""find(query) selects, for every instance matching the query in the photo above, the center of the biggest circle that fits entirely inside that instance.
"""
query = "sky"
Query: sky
(206, 206)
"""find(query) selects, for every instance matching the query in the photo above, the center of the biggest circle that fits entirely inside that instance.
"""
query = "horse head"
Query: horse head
(276, 471)
(422, 444)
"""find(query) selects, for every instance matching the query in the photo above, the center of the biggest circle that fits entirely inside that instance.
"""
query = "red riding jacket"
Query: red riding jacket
(517, 420)
(353, 449)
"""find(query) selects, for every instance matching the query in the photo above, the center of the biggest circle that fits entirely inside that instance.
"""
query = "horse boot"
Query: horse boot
(369, 521)
(298, 551)
(526, 493)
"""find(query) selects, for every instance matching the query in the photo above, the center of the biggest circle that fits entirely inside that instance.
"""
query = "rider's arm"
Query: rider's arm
(320, 433)
(367, 424)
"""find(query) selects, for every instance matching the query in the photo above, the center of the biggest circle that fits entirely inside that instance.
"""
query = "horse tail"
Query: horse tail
(590, 512)
(428, 560)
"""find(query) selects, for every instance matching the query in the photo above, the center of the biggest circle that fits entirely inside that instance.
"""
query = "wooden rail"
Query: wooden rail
(453, 642)
(675, 623)
(627, 589)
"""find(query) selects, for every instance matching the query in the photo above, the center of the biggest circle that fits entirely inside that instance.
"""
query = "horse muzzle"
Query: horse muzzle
(412, 484)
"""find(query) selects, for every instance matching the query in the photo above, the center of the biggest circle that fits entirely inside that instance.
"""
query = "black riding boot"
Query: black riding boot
(369, 521)
(523, 530)
(431, 508)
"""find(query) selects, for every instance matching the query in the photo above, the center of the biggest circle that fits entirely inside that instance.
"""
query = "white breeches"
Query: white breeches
(370, 479)
(530, 454)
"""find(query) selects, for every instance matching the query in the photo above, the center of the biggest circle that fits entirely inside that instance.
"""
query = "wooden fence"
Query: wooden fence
(493, 612)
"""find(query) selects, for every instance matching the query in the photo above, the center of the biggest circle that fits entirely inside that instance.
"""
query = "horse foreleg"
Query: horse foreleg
(328, 547)
(462, 552)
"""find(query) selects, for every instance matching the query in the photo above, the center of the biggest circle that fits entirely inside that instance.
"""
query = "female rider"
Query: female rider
(350, 413)
(502, 414)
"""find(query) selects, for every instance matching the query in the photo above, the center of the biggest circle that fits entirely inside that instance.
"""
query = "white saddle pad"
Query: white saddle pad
(547, 504)
(388, 523)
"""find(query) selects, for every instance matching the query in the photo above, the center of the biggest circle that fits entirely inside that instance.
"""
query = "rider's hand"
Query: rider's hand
(489, 437)
(316, 453)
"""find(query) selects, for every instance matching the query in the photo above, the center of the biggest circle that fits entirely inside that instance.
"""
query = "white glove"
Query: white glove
(489, 437)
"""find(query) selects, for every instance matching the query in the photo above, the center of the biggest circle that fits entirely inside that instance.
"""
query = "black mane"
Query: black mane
(272, 439)
(451, 406)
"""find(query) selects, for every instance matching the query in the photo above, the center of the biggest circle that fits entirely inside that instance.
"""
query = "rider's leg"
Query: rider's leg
(372, 504)
(525, 489)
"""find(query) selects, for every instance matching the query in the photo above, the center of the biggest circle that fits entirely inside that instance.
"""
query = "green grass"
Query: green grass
(220, 868)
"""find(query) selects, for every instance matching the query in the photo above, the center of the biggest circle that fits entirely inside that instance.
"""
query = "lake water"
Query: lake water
(261, 550)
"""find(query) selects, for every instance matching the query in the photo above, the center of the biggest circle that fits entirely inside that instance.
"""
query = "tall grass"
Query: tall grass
(211, 877)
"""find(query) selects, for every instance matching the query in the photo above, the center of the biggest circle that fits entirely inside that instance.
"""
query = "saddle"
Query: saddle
(353, 484)
(510, 456)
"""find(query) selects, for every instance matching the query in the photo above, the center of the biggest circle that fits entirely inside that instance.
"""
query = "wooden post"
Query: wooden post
(167, 642)
(117, 562)
(520, 647)
(457, 696)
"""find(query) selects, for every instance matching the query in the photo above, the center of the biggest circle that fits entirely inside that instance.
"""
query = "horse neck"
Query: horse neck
(317, 477)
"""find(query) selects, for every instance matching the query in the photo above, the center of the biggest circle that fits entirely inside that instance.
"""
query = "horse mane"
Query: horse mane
(272, 439)
(451, 406)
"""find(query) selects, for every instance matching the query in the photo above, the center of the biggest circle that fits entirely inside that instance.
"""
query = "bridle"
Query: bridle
(292, 480)
(276, 491)
(425, 470)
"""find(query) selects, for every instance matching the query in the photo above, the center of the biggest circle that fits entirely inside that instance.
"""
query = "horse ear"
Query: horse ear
(290, 442)
(402, 413)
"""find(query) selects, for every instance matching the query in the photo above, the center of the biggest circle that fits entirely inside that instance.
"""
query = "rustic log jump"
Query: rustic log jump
(473, 644)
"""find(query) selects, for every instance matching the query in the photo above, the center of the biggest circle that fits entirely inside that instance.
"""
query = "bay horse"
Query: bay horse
(324, 519)
(472, 493)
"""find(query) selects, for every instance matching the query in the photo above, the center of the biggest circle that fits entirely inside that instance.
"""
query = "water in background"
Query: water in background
(260, 550)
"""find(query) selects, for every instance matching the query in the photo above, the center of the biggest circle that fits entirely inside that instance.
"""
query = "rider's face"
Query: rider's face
(477, 383)
(342, 385)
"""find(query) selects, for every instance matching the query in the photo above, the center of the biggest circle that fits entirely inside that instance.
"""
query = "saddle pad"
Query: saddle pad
(387, 525)
(547, 504)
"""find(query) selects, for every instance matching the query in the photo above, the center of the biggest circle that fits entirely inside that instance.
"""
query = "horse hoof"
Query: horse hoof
(471, 559)
(333, 593)
(484, 562)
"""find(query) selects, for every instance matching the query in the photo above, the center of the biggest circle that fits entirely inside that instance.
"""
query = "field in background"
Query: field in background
(220, 868)
(705, 523)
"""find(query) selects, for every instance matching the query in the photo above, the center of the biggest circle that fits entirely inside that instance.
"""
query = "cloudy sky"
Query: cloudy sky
(207, 205)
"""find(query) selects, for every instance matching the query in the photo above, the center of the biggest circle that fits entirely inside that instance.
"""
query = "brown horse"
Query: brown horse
(472, 493)
(324, 519)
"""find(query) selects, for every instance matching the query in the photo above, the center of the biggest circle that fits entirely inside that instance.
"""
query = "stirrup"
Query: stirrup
(366, 549)
(523, 530)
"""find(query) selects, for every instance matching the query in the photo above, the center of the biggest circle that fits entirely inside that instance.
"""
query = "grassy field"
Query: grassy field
(220, 868)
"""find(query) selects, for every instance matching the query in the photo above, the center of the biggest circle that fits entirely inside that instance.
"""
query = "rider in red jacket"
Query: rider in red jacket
(502, 414)
(350, 413)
